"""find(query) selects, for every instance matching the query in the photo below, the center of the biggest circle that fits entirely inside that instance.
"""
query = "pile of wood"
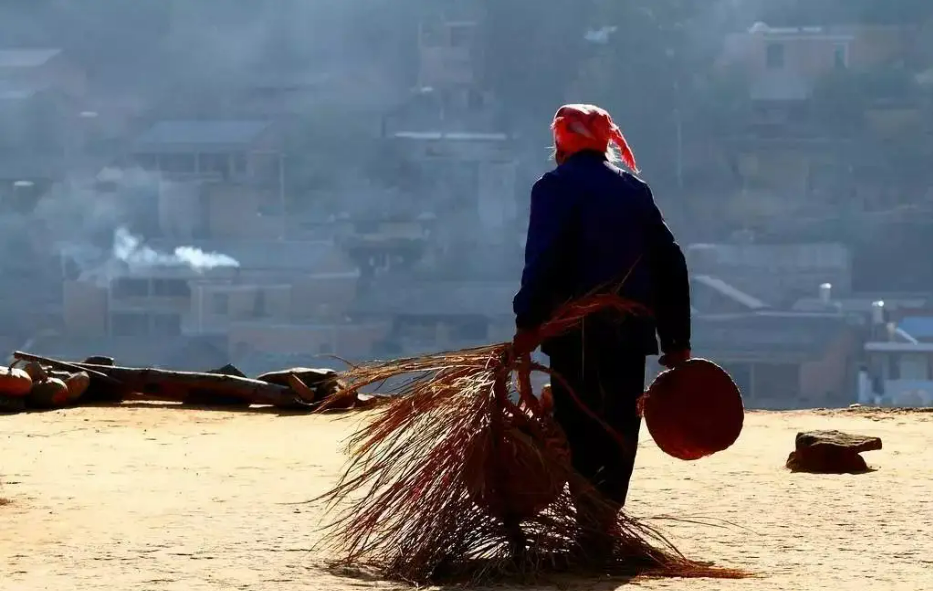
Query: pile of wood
(32, 382)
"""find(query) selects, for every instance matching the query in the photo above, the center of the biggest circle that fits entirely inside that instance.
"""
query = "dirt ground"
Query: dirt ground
(151, 498)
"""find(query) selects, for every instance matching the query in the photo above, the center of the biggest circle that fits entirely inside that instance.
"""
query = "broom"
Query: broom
(454, 481)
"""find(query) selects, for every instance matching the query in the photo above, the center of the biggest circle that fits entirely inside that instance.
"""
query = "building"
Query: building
(815, 97)
(785, 64)
(780, 359)
(218, 179)
(428, 316)
(44, 121)
(780, 273)
(898, 365)
(254, 297)
(898, 373)
(460, 163)
(783, 360)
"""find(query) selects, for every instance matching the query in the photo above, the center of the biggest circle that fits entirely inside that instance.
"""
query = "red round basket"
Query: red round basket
(693, 411)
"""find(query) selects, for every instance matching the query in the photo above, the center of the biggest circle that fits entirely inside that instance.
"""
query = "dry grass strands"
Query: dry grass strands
(453, 481)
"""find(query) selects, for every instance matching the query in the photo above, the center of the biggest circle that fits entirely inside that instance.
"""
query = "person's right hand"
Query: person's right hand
(672, 359)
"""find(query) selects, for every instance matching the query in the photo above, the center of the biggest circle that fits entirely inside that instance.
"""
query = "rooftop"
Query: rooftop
(202, 133)
(784, 334)
(15, 90)
(277, 255)
(438, 298)
(919, 327)
(26, 58)
(729, 292)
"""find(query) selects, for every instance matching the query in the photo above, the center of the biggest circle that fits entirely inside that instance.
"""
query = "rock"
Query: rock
(831, 452)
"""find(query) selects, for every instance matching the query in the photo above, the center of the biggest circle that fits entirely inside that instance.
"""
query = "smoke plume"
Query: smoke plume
(131, 250)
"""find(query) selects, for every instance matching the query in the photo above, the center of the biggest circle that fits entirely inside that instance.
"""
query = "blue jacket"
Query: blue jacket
(594, 226)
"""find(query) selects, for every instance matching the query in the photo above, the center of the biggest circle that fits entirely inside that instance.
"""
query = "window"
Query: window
(239, 163)
(71, 270)
(913, 367)
(215, 163)
(178, 163)
(173, 288)
(129, 324)
(841, 57)
(461, 36)
(147, 161)
(259, 305)
(166, 325)
(475, 100)
(130, 288)
(432, 35)
(220, 304)
(775, 56)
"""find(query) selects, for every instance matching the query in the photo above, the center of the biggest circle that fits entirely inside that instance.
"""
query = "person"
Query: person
(595, 226)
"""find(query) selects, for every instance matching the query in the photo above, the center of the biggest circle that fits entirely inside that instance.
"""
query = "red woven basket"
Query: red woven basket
(693, 411)
(514, 480)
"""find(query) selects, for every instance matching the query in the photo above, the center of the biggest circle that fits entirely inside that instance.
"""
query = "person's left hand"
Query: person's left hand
(524, 342)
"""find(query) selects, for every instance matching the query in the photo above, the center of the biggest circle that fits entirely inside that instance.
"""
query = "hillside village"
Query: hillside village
(190, 222)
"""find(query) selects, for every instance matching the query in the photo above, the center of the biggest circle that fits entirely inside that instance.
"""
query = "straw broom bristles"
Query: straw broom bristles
(453, 481)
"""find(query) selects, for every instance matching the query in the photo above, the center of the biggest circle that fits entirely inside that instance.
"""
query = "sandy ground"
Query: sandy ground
(149, 498)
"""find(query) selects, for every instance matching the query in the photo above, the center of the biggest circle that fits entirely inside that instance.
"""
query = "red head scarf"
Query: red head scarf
(588, 127)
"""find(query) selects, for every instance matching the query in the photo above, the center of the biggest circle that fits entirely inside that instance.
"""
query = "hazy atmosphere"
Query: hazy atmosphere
(193, 183)
(334, 294)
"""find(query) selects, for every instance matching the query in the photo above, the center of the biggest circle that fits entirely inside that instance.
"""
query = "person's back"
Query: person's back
(619, 226)
(596, 227)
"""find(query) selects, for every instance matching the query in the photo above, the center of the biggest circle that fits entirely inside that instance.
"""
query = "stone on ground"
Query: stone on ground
(831, 452)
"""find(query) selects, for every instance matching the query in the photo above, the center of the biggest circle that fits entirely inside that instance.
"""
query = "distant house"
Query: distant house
(222, 148)
(779, 273)
(234, 172)
(460, 168)
(431, 316)
(780, 359)
(783, 360)
(785, 152)
(43, 120)
(785, 63)
(276, 284)
(460, 161)
(899, 369)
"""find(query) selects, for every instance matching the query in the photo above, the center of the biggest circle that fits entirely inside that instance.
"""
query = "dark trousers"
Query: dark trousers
(608, 377)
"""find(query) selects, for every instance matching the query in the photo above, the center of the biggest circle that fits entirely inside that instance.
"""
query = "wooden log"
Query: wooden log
(102, 388)
(63, 365)
(161, 384)
(301, 389)
(180, 384)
